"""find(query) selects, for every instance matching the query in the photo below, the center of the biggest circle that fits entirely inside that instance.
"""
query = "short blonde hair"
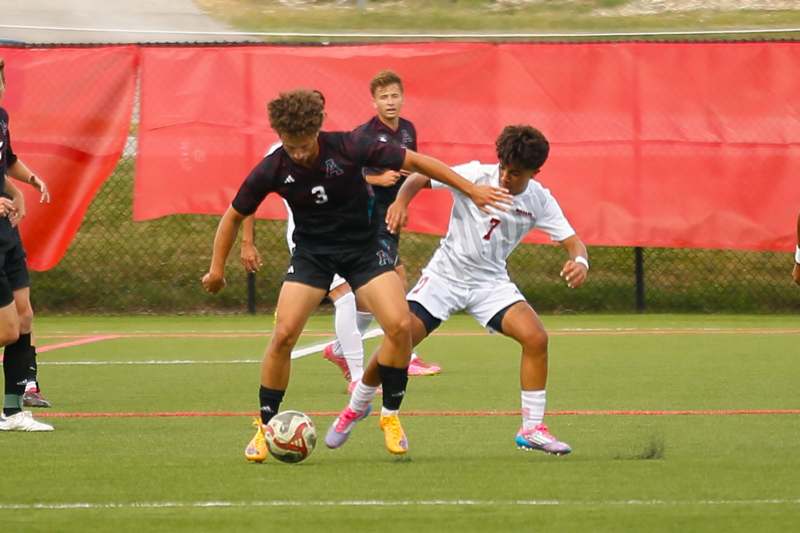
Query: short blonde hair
(384, 78)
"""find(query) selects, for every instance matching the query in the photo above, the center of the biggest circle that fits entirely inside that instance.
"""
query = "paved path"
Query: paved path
(165, 15)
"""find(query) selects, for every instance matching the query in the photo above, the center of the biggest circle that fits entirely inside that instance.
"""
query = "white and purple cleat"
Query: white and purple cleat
(539, 438)
(340, 430)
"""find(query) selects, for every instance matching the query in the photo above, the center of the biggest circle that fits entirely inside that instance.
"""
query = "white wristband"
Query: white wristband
(797, 255)
(582, 260)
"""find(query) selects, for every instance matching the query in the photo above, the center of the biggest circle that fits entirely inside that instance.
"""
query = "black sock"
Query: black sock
(270, 401)
(33, 368)
(394, 381)
(15, 369)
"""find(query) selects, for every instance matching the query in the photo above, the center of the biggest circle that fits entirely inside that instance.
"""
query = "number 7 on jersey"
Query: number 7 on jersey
(493, 223)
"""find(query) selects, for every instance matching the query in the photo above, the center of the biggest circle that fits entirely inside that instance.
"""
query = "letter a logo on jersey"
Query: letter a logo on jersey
(289, 179)
(332, 169)
(383, 258)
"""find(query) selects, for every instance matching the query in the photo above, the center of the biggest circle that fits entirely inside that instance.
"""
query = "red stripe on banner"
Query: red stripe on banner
(579, 412)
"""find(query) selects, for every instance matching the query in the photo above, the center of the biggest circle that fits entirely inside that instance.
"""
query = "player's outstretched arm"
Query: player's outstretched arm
(20, 172)
(249, 254)
(576, 269)
(483, 196)
(397, 214)
(796, 269)
(228, 227)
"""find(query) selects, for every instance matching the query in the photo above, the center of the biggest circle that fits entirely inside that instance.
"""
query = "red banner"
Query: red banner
(69, 110)
(653, 144)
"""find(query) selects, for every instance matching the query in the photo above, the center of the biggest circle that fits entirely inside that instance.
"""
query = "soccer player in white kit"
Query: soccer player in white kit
(468, 271)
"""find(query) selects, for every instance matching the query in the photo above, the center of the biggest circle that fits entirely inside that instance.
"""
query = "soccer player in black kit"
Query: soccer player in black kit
(16, 314)
(319, 174)
(386, 89)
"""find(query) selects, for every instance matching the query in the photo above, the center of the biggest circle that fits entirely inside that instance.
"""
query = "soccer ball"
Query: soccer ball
(291, 436)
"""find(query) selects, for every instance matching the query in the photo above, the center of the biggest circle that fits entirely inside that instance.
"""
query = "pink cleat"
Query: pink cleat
(340, 430)
(418, 367)
(539, 438)
(337, 359)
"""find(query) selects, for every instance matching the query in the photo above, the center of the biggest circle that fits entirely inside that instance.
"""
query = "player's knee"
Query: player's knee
(535, 342)
(285, 336)
(398, 329)
(25, 318)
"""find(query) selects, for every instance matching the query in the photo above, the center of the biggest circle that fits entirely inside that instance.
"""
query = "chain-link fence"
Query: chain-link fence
(117, 265)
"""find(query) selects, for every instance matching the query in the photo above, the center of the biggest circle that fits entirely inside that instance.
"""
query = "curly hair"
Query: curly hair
(384, 78)
(297, 113)
(522, 146)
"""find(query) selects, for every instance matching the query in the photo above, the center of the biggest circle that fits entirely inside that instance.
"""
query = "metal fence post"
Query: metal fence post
(639, 269)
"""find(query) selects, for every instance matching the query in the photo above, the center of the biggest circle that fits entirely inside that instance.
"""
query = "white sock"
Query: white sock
(363, 320)
(362, 396)
(348, 336)
(388, 412)
(533, 402)
(414, 356)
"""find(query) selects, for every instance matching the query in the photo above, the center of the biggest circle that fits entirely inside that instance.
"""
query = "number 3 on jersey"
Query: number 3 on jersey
(319, 195)
(493, 223)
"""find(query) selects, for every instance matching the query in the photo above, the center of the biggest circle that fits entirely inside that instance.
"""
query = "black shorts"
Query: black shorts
(390, 244)
(13, 272)
(358, 267)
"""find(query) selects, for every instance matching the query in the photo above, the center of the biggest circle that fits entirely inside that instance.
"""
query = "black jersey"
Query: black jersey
(7, 158)
(405, 136)
(331, 203)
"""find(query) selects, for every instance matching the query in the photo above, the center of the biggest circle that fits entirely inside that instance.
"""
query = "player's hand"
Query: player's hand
(41, 186)
(250, 257)
(796, 273)
(574, 273)
(19, 212)
(213, 282)
(396, 217)
(485, 196)
(7, 207)
(386, 179)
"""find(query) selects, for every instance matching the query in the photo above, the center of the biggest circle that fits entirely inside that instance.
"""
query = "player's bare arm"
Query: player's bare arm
(397, 214)
(20, 172)
(385, 179)
(576, 268)
(484, 196)
(796, 269)
(228, 227)
(249, 254)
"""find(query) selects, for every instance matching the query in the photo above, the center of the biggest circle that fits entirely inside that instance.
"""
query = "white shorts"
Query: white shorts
(442, 298)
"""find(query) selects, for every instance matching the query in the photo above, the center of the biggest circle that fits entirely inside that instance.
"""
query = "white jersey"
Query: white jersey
(477, 244)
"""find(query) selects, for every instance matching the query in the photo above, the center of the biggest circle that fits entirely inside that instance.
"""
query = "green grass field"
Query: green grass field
(494, 16)
(668, 472)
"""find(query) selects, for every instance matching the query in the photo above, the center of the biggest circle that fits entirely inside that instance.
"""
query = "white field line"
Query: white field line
(296, 354)
(392, 503)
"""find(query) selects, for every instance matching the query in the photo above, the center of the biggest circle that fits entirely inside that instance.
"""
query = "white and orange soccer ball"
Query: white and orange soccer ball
(291, 436)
